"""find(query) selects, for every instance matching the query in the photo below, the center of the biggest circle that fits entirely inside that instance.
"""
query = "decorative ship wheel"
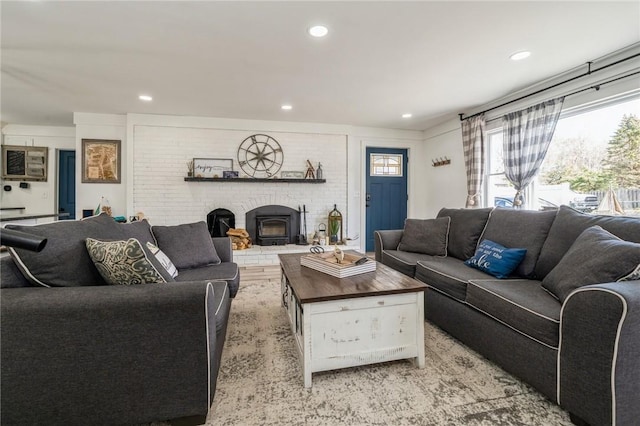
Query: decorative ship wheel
(260, 156)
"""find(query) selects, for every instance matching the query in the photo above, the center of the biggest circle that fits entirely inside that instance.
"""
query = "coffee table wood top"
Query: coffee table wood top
(310, 285)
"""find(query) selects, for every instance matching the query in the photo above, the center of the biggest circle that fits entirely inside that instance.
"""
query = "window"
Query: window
(595, 152)
(386, 165)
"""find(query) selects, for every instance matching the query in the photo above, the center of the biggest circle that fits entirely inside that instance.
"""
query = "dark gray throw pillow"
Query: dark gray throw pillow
(569, 224)
(465, 230)
(140, 230)
(597, 256)
(429, 236)
(188, 245)
(64, 261)
(526, 229)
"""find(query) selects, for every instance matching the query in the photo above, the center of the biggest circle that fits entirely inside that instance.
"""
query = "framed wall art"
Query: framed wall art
(100, 161)
(211, 167)
(291, 175)
(27, 163)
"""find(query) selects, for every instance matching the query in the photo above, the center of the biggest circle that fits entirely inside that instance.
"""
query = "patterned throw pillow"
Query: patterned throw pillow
(122, 262)
(495, 259)
(163, 259)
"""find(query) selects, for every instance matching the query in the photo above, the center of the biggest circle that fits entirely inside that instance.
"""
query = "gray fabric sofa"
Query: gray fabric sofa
(90, 353)
(582, 352)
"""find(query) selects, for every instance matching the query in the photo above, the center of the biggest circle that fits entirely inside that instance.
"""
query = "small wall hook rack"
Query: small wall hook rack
(437, 162)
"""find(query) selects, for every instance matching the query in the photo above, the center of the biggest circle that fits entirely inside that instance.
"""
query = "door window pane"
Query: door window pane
(386, 165)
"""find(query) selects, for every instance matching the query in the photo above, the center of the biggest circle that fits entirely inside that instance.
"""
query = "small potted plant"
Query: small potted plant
(190, 168)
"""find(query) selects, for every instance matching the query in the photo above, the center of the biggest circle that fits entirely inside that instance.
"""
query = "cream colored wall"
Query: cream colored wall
(89, 195)
(40, 197)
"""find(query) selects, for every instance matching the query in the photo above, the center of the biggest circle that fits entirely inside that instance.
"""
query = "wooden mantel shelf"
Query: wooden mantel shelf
(254, 180)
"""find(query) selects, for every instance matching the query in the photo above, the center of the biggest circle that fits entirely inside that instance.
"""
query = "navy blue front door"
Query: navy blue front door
(67, 184)
(386, 196)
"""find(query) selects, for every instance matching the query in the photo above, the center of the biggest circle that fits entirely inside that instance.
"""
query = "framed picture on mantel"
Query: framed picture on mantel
(211, 167)
(100, 161)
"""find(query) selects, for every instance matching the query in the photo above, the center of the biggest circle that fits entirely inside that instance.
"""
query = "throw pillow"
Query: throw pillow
(122, 262)
(569, 224)
(495, 259)
(596, 256)
(465, 230)
(163, 259)
(428, 236)
(188, 245)
(64, 261)
(520, 228)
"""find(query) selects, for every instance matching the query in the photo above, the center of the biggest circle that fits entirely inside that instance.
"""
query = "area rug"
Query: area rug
(260, 381)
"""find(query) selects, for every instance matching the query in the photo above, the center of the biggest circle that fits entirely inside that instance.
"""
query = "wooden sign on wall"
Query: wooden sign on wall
(24, 162)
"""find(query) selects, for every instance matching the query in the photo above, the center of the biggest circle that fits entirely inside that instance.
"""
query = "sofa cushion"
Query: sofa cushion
(520, 304)
(495, 259)
(164, 260)
(188, 245)
(597, 256)
(427, 236)
(64, 261)
(140, 230)
(227, 271)
(448, 275)
(569, 224)
(403, 261)
(465, 230)
(520, 228)
(12, 277)
(123, 262)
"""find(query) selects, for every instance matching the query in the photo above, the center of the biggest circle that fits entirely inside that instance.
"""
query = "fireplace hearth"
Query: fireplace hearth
(273, 225)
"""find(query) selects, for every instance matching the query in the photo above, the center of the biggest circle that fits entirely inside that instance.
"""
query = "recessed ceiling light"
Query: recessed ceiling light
(145, 98)
(520, 55)
(318, 31)
(407, 115)
(286, 107)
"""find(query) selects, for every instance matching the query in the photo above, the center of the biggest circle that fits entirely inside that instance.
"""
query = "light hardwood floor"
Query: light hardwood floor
(269, 273)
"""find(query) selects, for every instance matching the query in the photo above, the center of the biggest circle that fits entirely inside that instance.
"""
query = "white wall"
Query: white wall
(89, 195)
(445, 186)
(160, 146)
(40, 197)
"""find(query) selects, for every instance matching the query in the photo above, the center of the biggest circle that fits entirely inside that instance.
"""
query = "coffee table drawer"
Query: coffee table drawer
(361, 331)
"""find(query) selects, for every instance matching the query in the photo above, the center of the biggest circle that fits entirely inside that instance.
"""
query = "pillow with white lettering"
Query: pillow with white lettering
(495, 259)
(164, 260)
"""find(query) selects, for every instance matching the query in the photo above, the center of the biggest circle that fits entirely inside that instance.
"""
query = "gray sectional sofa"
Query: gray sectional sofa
(82, 352)
(577, 344)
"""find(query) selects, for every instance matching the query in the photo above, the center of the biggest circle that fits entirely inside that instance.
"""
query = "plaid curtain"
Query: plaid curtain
(527, 135)
(473, 143)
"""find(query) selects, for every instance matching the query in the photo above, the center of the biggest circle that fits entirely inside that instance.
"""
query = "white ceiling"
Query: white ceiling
(245, 59)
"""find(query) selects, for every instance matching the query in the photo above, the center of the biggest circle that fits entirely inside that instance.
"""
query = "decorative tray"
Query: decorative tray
(328, 264)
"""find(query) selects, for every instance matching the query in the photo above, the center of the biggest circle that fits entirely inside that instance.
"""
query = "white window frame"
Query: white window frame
(583, 108)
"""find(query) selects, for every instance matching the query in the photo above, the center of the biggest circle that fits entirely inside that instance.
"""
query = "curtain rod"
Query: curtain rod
(589, 72)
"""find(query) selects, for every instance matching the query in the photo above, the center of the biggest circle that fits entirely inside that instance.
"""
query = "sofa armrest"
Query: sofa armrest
(386, 240)
(108, 354)
(599, 353)
(223, 248)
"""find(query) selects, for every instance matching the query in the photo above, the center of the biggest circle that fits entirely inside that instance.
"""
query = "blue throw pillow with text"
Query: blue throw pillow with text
(495, 259)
